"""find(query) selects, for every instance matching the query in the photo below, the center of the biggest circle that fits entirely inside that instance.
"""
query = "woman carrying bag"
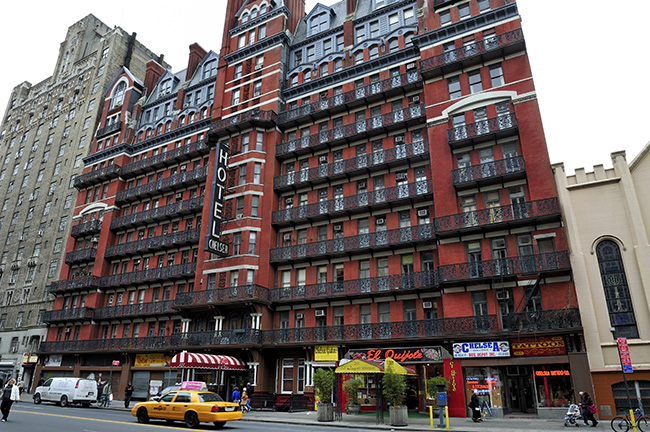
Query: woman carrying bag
(10, 395)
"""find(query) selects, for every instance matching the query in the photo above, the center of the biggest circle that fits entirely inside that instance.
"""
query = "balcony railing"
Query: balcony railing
(68, 314)
(476, 49)
(354, 203)
(356, 287)
(508, 214)
(79, 283)
(162, 185)
(151, 163)
(242, 121)
(86, 228)
(158, 213)
(341, 100)
(96, 176)
(342, 168)
(484, 129)
(82, 255)
(340, 134)
(231, 294)
(140, 309)
(487, 172)
(154, 243)
(505, 267)
(113, 127)
(172, 272)
(443, 327)
(536, 321)
(343, 245)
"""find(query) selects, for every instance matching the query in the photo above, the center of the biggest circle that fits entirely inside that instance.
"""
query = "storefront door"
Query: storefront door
(520, 395)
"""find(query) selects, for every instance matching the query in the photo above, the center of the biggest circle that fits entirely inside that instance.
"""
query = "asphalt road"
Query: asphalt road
(52, 418)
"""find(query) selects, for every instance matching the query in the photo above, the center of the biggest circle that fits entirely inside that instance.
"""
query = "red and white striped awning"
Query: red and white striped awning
(206, 361)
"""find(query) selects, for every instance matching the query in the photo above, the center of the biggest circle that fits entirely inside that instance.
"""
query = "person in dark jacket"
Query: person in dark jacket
(128, 392)
(475, 406)
(585, 404)
(10, 394)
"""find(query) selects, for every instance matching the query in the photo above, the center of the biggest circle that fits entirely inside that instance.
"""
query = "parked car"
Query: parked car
(64, 391)
(189, 406)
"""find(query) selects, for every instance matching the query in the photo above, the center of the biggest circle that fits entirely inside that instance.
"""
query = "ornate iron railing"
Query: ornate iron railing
(81, 255)
(468, 132)
(350, 166)
(352, 243)
(469, 51)
(498, 215)
(153, 243)
(240, 120)
(66, 285)
(168, 211)
(360, 201)
(113, 127)
(162, 185)
(347, 288)
(505, 267)
(68, 314)
(95, 176)
(152, 308)
(180, 153)
(330, 136)
(85, 228)
(535, 321)
(171, 272)
(231, 294)
(342, 99)
(488, 170)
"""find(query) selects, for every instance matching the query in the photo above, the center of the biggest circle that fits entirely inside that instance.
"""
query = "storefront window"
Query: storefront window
(432, 371)
(488, 384)
(553, 386)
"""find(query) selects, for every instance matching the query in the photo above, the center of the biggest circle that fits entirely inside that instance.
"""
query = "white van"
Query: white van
(65, 391)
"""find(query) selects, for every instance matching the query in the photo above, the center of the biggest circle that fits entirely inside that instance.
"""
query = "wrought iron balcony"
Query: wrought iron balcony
(484, 130)
(172, 272)
(504, 268)
(82, 255)
(354, 204)
(543, 320)
(67, 314)
(486, 49)
(170, 211)
(97, 176)
(139, 309)
(243, 121)
(163, 185)
(364, 163)
(362, 128)
(106, 130)
(227, 295)
(497, 217)
(344, 245)
(154, 243)
(152, 163)
(86, 228)
(358, 287)
(442, 327)
(79, 283)
(340, 102)
(489, 172)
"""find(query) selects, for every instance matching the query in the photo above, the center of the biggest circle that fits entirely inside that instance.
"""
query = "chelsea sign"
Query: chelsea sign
(213, 243)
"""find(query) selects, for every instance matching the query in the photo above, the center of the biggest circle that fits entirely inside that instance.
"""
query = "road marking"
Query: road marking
(98, 420)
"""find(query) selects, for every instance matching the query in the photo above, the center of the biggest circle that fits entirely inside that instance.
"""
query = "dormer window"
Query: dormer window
(244, 17)
(166, 87)
(209, 69)
(319, 23)
(118, 95)
(254, 13)
(263, 9)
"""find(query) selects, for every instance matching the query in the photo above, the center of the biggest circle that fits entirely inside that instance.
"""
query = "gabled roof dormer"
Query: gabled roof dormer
(318, 19)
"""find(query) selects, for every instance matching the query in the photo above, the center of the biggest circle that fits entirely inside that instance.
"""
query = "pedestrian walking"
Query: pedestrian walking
(10, 395)
(21, 386)
(475, 406)
(108, 394)
(128, 392)
(245, 403)
(100, 389)
(588, 409)
(236, 396)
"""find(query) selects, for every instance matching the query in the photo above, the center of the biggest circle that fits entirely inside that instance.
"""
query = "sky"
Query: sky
(587, 58)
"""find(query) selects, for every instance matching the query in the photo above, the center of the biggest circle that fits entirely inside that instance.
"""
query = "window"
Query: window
(242, 174)
(209, 69)
(239, 209)
(238, 71)
(91, 104)
(245, 140)
(118, 95)
(63, 222)
(483, 5)
(453, 85)
(86, 124)
(82, 142)
(496, 75)
(318, 23)
(251, 37)
(52, 269)
(257, 88)
(235, 97)
(480, 303)
(241, 42)
(393, 21)
(252, 242)
(475, 84)
(445, 18)
(373, 52)
(255, 206)
(361, 34)
(409, 16)
(257, 174)
(374, 28)
(259, 141)
(262, 31)
(463, 11)
(236, 244)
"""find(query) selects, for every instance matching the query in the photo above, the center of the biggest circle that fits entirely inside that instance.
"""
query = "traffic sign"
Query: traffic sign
(116, 362)
(626, 360)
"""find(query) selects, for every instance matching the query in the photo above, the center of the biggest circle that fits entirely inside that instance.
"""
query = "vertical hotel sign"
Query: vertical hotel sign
(213, 243)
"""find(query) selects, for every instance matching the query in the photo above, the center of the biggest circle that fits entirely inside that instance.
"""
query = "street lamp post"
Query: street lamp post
(627, 389)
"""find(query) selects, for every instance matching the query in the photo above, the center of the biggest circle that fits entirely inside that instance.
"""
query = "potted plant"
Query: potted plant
(394, 389)
(351, 389)
(437, 384)
(323, 383)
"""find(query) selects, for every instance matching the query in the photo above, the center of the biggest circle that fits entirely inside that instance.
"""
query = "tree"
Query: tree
(324, 382)
(394, 387)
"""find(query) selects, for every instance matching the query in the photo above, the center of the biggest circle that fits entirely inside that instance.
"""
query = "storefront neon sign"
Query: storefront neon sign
(545, 373)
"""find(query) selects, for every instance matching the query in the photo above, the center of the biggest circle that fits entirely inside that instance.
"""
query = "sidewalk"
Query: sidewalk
(368, 421)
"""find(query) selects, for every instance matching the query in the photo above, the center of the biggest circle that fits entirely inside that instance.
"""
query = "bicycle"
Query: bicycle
(101, 402)
(624, 424)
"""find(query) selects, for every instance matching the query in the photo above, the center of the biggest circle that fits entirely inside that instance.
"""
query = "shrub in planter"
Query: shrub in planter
(351, 389)
(394, 388)
(323, 383)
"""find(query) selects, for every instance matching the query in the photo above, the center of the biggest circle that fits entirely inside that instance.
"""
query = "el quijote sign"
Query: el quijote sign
(213, 243)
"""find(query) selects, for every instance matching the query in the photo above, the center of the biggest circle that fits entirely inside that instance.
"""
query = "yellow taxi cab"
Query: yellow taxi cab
(189, 406)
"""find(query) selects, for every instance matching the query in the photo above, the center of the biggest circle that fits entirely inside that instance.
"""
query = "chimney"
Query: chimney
(351, 6)
(152, 75)
(196, 55)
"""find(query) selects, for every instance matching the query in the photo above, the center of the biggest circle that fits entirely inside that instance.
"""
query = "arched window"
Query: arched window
(118, 95)
(393, 45)
(254, 13)
(263, 9)
(181, 121)
(617, 293)
(168, 126)
(374, 52)
(244, 17)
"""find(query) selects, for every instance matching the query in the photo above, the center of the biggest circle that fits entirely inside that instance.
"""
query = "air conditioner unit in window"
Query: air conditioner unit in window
(322, 158)
(288, 200)
(320, 312)
(258, 67)
(410, 66)
(287, 237)
(400, 176)
(361, 185)
(415, 99)
(338, 227)
(399, 138)
(503, 295)
(381, 221)
(423, 212)
(427, 305)
(300, 316)
(179, 196)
